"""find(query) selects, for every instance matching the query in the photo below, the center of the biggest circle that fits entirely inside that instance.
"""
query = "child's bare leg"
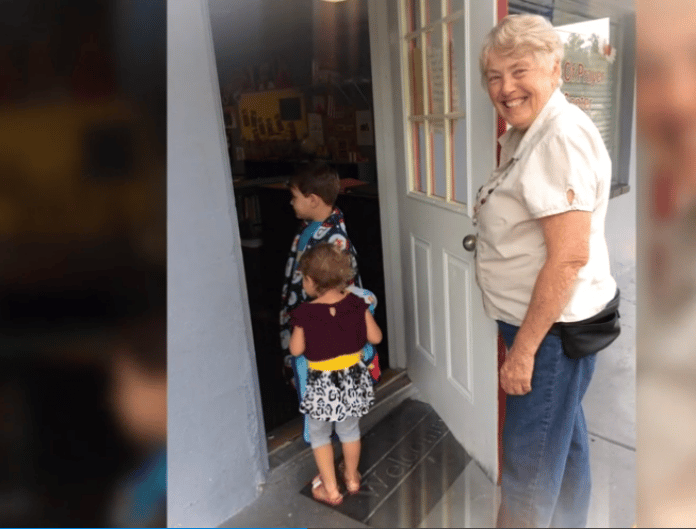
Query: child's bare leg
(349, 433)
(351, 455)
(324, 456)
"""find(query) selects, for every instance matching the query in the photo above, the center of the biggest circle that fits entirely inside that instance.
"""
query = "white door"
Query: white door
(436, 142)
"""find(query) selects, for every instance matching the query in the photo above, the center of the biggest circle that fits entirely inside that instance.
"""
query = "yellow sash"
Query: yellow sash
(334, 364)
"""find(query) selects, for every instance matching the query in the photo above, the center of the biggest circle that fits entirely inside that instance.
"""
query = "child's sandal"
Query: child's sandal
(320, 493)
(352, 486)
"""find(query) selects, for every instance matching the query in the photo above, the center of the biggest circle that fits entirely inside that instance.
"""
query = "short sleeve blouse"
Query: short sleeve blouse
(561, 151)
(328, 336)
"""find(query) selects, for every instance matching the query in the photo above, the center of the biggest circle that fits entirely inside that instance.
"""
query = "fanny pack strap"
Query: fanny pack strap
(609, 309)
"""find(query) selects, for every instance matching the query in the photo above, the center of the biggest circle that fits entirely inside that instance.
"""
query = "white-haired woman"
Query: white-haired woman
(542, 258)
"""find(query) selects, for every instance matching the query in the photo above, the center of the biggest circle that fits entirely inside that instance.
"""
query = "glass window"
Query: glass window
(436, 88)
(433, 10)
(434, 51)
(439, 174)
(418, 157)
(458, 160)
(413, 15)
(597, 68)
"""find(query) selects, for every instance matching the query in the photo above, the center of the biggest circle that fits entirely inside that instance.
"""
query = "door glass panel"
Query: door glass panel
(413, 15)
(457, 74)
(418, 153)
(436, 91)
(437, 132)
(415, 75)
(458, 157)
(454, 6)
(439, 177)
(433, 9)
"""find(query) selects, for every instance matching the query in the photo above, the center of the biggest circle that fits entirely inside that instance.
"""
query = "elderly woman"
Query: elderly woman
(541, 258)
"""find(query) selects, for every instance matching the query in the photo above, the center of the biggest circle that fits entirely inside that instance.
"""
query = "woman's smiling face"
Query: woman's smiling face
(520, 86)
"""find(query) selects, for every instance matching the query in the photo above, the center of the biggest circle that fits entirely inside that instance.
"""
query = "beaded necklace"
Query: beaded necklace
(483, 192)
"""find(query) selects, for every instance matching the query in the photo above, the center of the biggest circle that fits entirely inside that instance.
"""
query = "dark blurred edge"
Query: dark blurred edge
(82, 240)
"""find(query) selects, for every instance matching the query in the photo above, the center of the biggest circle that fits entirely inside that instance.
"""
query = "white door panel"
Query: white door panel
(457, 277)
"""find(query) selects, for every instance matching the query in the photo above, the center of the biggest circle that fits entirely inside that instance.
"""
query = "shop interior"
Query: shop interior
(295, 82)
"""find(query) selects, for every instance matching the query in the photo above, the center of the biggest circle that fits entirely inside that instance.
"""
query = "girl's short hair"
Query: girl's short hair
(328, 266)
(518, 35)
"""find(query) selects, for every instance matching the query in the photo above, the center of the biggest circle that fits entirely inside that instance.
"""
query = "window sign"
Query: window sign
(587, 71)
(597, 68)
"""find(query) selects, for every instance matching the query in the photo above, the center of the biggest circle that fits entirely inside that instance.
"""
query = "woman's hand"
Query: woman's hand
(516, 373)
(567, 250)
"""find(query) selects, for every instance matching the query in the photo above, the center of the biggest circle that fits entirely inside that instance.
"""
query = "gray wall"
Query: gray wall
(216, 442)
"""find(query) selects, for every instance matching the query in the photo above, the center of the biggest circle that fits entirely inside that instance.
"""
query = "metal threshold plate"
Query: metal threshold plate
(407, 463)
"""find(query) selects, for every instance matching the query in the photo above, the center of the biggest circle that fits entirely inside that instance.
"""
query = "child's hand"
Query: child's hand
(374, 333)
(297, 341)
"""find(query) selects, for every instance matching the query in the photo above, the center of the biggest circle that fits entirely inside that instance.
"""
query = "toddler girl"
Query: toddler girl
(331, 331)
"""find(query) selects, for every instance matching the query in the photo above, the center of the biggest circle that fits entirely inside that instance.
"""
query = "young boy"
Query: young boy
(314, 192)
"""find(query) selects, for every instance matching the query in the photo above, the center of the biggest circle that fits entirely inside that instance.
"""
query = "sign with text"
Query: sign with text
(587, 70)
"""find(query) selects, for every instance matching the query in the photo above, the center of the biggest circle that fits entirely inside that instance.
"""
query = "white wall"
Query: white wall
(216, 441)
(621, 221)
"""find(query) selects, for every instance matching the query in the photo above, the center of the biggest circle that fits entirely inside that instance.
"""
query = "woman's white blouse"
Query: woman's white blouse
(562, 150)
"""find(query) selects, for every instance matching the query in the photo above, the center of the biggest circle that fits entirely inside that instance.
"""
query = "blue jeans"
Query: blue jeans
(546, 457)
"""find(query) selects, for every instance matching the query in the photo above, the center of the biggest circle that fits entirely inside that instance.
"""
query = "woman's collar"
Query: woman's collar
(556, 101)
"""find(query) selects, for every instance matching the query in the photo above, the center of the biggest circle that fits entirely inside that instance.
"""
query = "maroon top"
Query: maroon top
(328, 336)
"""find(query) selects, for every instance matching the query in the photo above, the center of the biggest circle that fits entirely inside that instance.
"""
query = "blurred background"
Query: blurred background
(83, 267)
(666, 361)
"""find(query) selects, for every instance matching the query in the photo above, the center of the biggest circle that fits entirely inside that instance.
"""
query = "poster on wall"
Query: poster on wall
(230, 117)
(315, 126)
(364, 128)
(276, 115)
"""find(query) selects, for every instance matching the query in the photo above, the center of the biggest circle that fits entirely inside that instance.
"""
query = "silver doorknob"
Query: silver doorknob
(469, 243)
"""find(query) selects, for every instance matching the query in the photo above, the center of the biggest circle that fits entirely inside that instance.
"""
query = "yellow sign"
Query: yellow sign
(273, 115)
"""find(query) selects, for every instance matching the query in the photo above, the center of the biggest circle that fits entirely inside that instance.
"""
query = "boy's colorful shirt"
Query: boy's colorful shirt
(332, 230)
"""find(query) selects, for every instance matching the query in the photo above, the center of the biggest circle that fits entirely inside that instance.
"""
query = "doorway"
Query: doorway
(295, 82)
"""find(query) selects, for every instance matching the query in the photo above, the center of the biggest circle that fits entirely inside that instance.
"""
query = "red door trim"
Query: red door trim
(502, 12)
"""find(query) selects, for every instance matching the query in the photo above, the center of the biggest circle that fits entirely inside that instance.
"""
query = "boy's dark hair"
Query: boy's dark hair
(319, 179)
(328, 266)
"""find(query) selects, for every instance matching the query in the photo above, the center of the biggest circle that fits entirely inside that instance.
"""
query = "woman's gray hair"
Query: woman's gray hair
(518, 35)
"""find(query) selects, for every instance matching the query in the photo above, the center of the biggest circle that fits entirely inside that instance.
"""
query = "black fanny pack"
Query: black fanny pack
(586, 337)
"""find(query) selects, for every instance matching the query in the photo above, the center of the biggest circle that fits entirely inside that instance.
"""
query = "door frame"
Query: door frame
(388, 167)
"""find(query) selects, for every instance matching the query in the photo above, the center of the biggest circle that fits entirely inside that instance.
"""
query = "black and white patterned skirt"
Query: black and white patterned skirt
(336, 395)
